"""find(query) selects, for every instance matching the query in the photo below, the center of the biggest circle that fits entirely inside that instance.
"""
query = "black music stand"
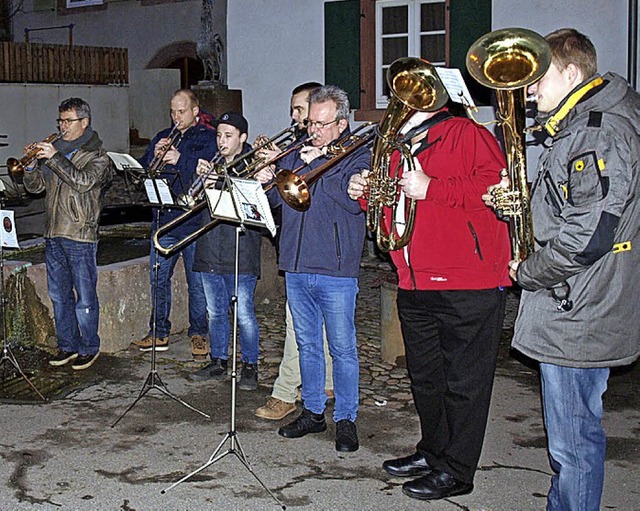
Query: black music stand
(160, 196)
(240, 201)
(7, 354)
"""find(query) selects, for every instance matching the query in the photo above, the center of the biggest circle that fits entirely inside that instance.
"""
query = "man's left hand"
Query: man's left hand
(46, 150)
(513, 269)
(414, 184)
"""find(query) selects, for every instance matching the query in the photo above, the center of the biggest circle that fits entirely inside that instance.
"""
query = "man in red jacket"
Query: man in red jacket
(451, 298)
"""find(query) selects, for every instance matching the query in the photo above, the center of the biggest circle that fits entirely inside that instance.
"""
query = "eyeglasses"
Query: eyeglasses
(67, 121)
(319, 125)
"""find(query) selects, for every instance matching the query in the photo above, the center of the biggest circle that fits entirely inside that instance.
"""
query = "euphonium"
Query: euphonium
(17, 167)
(509, 60)
(414, 86)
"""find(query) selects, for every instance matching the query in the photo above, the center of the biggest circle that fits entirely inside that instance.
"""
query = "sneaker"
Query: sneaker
(275, 409)
(146, 343)
(62, 357)
(199, 347)
(217, 368)
(346, 436)
(307, 422)
(84, 361)
(248, 377)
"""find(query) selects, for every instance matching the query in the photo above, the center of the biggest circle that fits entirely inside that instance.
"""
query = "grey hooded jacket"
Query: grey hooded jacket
(586, 216)
(74, 191)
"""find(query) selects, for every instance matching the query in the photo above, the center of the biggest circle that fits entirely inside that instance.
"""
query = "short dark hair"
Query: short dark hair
(303, 87)
(193, 99)
(332, 93)
(81, 107)
(568, 46)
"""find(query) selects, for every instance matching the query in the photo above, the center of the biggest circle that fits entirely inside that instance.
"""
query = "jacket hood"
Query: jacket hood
(596, 93)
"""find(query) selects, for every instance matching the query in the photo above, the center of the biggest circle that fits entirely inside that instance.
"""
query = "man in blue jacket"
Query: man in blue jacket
(320, 251)
(178, 163)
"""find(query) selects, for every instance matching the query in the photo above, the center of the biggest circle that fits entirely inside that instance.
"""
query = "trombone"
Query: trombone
(194, 199)
(17, 167)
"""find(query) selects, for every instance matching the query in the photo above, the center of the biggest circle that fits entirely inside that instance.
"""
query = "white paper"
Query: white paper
(452, 80)
(9, 237)
(124, 161)
(245, 203)
(158, 191)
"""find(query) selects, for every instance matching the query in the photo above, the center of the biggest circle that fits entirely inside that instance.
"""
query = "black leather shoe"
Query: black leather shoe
(307, 422)
(216, 369)
(413, 465)
(346, 436)
(436, 485)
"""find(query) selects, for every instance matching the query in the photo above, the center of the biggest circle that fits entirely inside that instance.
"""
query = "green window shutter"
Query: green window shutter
(469, 19)
(342, 47)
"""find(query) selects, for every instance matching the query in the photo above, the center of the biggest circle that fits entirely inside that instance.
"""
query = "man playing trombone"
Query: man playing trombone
(320, 251)
(174, 153)
(215, 260)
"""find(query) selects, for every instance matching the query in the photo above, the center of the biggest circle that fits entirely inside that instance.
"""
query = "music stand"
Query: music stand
(7, 354)
(240, 201)
(159, 195)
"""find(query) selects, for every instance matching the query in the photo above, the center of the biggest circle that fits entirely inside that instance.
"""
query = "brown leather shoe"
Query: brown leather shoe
(146, 343)
(199, 347)
(275, 409)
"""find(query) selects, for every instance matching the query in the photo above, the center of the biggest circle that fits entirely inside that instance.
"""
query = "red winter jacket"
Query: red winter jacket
(457, 243)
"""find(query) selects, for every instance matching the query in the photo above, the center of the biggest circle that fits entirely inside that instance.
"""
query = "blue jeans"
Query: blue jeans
(71, 265)
(313, 299)
(572, 403)
(219, 290)
(197, 301)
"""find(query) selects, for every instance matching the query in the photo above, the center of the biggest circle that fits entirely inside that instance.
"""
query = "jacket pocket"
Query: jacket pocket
(476, 241)
(336, 234)
(73, 209)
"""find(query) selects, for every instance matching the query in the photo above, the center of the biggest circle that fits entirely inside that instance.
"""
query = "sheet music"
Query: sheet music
(158, 191)
(245, 203)
(8, 235)
(124, 161)
(452, 80)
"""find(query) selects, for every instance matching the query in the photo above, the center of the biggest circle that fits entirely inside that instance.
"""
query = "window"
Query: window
(71, 4)
(408, 28)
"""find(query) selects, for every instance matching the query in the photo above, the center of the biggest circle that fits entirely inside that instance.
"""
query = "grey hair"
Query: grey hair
(82, 108)
(332, 93)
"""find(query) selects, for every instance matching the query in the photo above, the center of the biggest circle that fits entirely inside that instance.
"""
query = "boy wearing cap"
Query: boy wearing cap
(215, 259)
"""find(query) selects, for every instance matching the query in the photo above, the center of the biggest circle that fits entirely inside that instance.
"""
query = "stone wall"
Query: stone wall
(125, 300)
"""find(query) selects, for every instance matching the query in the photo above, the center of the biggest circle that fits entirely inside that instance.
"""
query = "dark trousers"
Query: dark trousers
(451, 340)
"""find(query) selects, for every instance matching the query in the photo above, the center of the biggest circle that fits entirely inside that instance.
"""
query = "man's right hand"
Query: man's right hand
(488, 198)
(358, 185)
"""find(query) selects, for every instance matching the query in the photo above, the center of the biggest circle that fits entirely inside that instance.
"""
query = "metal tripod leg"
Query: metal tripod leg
(153, 380)
(7, 355)
(235, 448)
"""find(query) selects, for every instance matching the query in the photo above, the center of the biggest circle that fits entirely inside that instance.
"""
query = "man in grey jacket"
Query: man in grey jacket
(578, 313)
(72, 171)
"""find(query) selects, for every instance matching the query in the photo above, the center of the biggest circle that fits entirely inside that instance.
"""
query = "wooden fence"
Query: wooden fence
(54, 63)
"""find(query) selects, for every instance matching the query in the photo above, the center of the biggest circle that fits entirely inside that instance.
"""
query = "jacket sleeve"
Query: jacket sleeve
(480, 158)
(92, 173)
(34, 180)
(599, 175)
(335, 184)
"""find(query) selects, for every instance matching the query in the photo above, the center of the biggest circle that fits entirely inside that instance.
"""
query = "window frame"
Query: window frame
(369, 108)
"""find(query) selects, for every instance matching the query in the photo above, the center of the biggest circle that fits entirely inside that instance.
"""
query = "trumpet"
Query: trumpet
(157, 164)
(17, 167)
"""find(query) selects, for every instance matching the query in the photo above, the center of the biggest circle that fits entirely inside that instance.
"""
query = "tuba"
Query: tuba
(508, 60)
(414, 86)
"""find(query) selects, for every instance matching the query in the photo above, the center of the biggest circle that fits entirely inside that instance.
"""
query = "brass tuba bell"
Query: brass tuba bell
(414, 86)
(508, 60)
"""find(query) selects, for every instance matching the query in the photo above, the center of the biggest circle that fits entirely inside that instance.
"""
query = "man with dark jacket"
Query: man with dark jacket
(72, 171)
(320, 251)
(177, 162)
(451, 299)
(578, 312)
(215, 260)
